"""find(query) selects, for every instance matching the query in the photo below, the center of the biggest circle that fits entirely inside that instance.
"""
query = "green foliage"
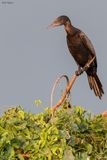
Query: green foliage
(72, 134)
(37, 102)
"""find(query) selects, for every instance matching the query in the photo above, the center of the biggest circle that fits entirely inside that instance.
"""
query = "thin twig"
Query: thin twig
(70, 84)
(56, 83)
(88, 64)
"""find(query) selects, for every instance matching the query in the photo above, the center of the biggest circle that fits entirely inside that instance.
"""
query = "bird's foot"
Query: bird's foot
(79, 71)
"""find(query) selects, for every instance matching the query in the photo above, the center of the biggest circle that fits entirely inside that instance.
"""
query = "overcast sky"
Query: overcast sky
(32, 57)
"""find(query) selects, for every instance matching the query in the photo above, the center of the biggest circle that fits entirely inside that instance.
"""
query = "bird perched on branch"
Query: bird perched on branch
(82, 51)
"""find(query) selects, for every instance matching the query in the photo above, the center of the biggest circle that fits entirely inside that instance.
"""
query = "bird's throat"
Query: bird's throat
(69, 28)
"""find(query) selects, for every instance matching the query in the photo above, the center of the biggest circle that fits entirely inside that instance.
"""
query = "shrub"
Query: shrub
(72, 134)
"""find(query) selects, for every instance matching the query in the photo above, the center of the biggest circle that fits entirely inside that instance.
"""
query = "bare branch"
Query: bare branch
(54, 86)
(69, 86)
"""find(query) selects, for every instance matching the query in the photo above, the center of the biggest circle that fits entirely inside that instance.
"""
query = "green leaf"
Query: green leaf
(68, 155)
(89, 148)
(37, 102)
(74, 134)
(20, 157)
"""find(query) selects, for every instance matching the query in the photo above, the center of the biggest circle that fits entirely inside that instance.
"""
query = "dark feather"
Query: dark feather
(82, 51)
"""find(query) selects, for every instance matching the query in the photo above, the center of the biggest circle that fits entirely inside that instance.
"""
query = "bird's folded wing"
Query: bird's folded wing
(87, 43)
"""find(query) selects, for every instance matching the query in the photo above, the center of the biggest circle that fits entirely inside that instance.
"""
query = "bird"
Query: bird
(82, 50)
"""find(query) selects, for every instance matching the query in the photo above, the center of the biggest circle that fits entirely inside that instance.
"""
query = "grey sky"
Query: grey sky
(32, 57)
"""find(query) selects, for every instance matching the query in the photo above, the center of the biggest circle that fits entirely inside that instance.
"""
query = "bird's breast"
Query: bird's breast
(78, 51)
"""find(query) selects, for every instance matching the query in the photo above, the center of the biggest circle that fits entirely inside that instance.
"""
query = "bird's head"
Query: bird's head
(61, 20)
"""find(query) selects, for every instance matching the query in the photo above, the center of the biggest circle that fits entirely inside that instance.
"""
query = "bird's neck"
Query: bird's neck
(69, 28)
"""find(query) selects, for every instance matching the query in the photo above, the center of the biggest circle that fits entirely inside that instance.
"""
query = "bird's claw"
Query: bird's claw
(79, 72)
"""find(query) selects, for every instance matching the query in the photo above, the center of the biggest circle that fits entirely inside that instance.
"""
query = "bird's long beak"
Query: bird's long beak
(52, 25)
(55, 23)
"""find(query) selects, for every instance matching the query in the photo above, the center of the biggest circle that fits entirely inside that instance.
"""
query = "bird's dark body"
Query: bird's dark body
(82, 51)
(76, 48)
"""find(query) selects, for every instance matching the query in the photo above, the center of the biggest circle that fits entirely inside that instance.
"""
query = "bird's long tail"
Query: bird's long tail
(96, 85)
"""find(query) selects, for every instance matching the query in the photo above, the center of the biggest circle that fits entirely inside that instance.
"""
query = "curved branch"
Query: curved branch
(54, 86)
(67, 90)
(70, 84)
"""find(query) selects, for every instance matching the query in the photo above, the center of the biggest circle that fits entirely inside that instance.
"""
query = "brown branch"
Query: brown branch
(55, 84)
(70, 84)
(25, 155)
